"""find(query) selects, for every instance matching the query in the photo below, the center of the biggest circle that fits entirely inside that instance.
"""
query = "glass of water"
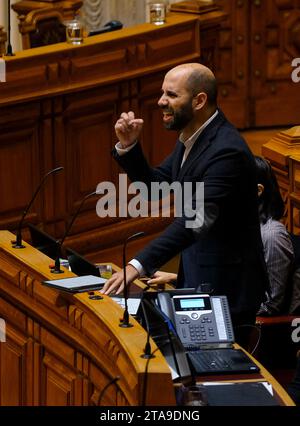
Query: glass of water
(74, 31)
(105, 271)
(157, 13)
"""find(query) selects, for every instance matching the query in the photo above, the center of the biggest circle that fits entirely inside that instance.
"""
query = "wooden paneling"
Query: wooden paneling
(64, 349)
(253, 54)
(282, 151)
(58, 108)
(157, 143)
(13, 378)
(19, 153)
(275, 29)
(233, 62)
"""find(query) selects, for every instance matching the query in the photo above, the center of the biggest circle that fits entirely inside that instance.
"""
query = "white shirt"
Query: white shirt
(189, 143)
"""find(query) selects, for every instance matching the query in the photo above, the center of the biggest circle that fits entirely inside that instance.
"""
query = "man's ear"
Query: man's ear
(199, 101)
(260, 189)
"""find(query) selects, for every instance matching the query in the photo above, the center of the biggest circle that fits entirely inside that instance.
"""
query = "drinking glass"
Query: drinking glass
(74, 31)
(157, 13)
(105, 271)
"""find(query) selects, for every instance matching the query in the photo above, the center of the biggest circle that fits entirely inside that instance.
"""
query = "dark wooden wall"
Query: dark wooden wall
(60, 103)
(258, 41)
(58, 108)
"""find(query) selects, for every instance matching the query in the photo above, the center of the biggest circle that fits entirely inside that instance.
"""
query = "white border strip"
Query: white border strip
(2, 71)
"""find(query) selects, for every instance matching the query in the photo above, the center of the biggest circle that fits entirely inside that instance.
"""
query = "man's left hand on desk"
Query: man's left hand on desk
(116, 283)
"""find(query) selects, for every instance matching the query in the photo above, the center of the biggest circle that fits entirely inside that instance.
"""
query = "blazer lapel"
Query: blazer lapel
(201, 144)
(177, 160)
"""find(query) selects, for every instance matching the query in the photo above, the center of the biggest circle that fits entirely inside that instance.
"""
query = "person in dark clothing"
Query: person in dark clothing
(224, 246)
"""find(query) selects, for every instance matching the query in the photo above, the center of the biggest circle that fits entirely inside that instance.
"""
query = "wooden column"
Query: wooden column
(3, 39)
(278, 151)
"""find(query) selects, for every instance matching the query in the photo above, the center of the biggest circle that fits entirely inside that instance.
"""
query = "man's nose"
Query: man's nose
(162, 102)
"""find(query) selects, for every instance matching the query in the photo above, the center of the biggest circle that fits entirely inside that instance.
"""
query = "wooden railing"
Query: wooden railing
(283, 152)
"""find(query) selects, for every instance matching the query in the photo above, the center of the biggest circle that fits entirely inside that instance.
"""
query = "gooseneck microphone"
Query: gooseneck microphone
(56, 269)
(125, 321)
(18, 243)
(9, 51)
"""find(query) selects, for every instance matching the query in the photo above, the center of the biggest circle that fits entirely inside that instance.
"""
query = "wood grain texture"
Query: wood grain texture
(58, 108)
(63, 349)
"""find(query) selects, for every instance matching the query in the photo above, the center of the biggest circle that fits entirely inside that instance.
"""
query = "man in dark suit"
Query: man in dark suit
(226, 250)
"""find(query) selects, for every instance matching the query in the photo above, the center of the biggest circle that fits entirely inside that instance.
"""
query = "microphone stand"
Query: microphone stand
(9, 51)
(18, 243)
(125, 321)
(147, 349)
(56, 269)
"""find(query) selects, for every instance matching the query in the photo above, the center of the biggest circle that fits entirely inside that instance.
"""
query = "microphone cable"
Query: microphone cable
(111, 382)
(145, 384)
(255, 327)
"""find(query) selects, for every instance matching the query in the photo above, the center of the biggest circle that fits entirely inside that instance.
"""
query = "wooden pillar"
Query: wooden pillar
(283, 152)
(3, 39)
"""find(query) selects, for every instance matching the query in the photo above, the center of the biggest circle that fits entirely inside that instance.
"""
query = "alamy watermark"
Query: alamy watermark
(2, 71)
(296, 72)
(2, 331)
(296, 331)
(188, 200)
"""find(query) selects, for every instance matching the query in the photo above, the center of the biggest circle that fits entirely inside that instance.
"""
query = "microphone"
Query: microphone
(9, 51)
(147, 349)
(109, 26)
(125, 321)
(18, 243)
(56, 269)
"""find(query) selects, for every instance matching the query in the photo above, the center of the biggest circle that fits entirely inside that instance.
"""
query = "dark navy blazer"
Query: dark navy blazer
(226, 251)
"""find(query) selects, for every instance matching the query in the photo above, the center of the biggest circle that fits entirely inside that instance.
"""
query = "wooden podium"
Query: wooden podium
(65, 349)
(68, 349)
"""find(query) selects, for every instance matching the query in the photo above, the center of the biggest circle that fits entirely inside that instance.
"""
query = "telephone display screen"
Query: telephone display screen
(192, 303)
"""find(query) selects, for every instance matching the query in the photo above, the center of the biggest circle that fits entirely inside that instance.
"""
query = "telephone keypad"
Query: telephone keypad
(200, 332)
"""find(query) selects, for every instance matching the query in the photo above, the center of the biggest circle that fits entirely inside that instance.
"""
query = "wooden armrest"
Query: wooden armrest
(275, 320)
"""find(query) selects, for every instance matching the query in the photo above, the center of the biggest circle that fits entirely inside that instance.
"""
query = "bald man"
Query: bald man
(226, 250)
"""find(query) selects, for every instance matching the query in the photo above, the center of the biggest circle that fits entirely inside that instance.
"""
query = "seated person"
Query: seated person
(278, 249)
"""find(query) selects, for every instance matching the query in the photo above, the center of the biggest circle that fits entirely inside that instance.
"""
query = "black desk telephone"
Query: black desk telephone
(199, 319)
(195, 327)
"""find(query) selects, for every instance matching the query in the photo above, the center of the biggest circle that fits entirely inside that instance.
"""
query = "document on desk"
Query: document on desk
(240, 394)
(132, 302)
(77, 284)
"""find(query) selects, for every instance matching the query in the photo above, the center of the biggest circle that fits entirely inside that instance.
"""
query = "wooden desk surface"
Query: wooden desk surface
(72, 346)
(263, 376)
(64, 349)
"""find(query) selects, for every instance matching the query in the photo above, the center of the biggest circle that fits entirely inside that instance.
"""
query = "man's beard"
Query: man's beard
(181, 117)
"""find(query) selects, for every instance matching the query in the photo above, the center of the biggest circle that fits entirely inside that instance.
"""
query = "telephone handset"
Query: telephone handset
(199, 319)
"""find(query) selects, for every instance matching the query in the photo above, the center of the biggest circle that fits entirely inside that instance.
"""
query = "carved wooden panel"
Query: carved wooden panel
(64, 349)
(20, 172)
(233, 61)
(278, 151)
(275, 35)
(294, 196)
(12, 372)
(157, 142)
(58, 108)
(258, 41)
